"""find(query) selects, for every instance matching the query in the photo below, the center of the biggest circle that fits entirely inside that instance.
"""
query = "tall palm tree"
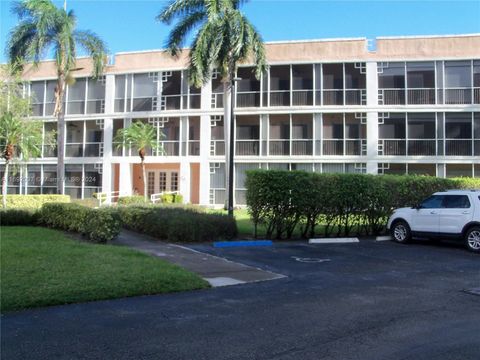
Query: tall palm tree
(224, 38)
(140, 136)
(43, 28)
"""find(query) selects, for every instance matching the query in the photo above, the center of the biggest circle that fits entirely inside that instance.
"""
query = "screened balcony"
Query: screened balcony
(49, 128)
(391, 84)
(83, 139)
(458, 134)
(217, 142)
(247, 135)
(171, 98)
(170, 142)
(392, 135)
(217, 91)
(343, 134)
(279, 130)
(193, 136)
(302, 135)
(280, 85)
(333, 136)
(458, 82)
(420, 83)
(421, 134)
(332, 84)
(302, 85)
(248, 88)
(145, 92)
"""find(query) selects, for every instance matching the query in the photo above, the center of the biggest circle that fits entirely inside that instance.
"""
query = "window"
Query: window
(76, 97)
(96, 96)
(433, 202)
(37, 92)
(248, 88)
(280, 85)
(456, 202)
(391, 84)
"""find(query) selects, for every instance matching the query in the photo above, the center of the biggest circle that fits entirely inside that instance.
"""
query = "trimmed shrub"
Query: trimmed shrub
(176, 224)
(98, 225)
(34, 201)
(20, 217)
(343, 204)
(131, 200)
(172, 199)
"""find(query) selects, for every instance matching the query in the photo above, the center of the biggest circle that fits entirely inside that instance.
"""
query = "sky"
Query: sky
(128, 25)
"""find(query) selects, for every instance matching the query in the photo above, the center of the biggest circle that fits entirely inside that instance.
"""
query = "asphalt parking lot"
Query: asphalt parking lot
(367, 300)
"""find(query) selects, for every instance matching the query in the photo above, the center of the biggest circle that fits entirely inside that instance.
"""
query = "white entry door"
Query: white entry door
(159, 181)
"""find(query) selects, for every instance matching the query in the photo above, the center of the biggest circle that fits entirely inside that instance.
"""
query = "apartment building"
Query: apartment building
(399, 105)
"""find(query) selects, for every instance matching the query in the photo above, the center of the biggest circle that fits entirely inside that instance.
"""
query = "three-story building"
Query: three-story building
(402, 105)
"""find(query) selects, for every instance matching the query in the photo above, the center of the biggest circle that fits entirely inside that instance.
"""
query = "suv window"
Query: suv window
(456, 202)
(433, 202)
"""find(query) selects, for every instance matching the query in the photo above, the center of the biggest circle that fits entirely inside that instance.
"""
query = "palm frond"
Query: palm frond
(179, 33)
(95, 47)
(179, 9)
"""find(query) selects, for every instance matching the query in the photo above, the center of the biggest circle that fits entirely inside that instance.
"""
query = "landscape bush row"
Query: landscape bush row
(98, 225)
(33, 201)
(176, 224)
(335, 204)
(139, 199)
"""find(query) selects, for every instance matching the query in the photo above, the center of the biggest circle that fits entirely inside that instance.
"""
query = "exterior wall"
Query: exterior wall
(201, 172)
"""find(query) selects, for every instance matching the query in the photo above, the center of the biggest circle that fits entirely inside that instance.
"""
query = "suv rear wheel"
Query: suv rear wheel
(401, 232)
(472, 239)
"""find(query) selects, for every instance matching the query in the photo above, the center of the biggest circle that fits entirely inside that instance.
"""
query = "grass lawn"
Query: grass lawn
(41, 267)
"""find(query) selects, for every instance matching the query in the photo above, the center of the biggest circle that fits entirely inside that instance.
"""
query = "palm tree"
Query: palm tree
(224, 39)
(19, 138)
(42, 28)
(140, 136)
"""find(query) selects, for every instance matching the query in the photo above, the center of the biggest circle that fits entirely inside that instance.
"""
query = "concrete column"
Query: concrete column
(107, 157)
(125, 177)
(204, 196)
(184, 185)
(372, 117)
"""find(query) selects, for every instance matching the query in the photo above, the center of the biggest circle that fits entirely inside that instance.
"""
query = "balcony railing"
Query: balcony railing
(393, 147)
(279, 97)
(355, 97)
(476, 95)
(476, 147)
(49, 151)
(458, 147)
(421, 96)
(353, 147)
(458, 96)
(194, 101)
(247, 147)
(421, 147)
(193, 147)
(333, 97)
(143, 103)
(332, 147)
(217, 147)
(302, 97)
(93, 149)
(170, 148)
(279, 147)
(74, 150)
(302, 147)
(248, 99)
(217, 100)
(171, 102)
(391, 96)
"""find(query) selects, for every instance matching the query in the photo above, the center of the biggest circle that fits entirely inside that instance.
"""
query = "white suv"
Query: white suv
(453, 214)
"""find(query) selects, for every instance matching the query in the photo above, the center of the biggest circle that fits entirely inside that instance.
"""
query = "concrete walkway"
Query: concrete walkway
(217, 271)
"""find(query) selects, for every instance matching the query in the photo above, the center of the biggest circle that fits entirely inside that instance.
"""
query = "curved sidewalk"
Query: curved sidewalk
(217, 271)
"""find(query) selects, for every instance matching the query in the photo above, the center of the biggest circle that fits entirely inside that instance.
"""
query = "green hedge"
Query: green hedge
(33, 201)
(343, 204)
(22, 217)
(178, 224)
(98, 225)
(131, 200)
(172, 199)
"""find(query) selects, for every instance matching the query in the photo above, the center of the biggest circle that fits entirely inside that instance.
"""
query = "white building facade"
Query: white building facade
(409, 106)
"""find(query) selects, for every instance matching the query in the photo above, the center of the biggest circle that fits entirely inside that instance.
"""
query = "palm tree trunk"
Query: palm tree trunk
(5, 185)
(144, 176)
(60, 112)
